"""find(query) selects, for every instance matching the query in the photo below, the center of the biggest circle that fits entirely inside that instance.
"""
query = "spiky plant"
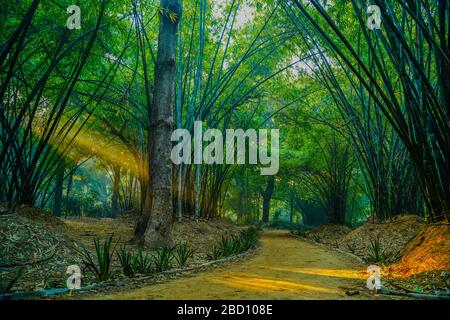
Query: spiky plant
(162, 259)
(99, 265)
(126, 261)
(182, 254)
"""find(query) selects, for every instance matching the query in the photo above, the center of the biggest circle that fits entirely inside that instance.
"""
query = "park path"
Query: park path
(284, 267)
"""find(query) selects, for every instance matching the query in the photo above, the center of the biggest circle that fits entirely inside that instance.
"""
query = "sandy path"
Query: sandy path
(283, 268)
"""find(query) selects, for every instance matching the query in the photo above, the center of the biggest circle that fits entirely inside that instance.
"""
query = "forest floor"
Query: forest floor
(283, 267)
(415, 255)
(42, 246)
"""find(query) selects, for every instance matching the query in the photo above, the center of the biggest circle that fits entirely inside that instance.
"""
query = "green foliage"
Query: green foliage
(6, 285)
(214, 252)
(182, 254)
(377, 254)
(248, 239)
(88, 195)
(126, 261)
(227, 246)
(282, 224)
(234, 245)
(142, 263)
(138, 262)
(101, 264)
(162, 259)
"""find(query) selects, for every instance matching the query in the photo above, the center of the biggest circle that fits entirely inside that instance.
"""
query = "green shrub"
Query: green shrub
(251, 235)
(286, 225)
(234, 245)
(100, 266)
(135, 263)
(214, 252)
(182, 254)
(163, 258)
(227, 246)
(142, 263)
(377, 254)
(126, 259)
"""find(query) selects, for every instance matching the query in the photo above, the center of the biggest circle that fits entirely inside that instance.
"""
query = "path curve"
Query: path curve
(283, 267)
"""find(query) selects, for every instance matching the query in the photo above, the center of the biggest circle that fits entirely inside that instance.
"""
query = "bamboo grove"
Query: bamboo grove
(398, 77)
(67, 96)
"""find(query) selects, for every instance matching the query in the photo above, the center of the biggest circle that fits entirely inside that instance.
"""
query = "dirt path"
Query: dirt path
(283, 268)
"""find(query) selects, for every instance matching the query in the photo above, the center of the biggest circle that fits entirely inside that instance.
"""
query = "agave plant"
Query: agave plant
(182, 254)
(126, 261)
(101, 264)
(214, 253)
(227, 246)
(142, 263)
(377, 254)
(162, 259)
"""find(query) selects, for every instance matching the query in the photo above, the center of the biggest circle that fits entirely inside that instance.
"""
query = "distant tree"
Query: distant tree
(267, 195)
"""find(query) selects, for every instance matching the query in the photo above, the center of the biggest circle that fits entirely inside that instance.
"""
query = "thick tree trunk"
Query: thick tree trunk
(159, 225)
(267, 195)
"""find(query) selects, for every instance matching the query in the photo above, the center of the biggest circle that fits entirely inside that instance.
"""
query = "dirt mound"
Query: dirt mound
(328, 234)
(425, 265)
(38, 252)
(42, 246)
(393, 235)
(419, 254)
(202, 234)
(40, 216)
(130, 216)
(84, 230)
(198, 234)
(428, 251)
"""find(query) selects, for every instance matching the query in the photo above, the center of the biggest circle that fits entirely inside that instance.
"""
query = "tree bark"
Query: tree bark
(267, 195)
(115, 192)
(291, 213)
(160, 221)
(58, 193)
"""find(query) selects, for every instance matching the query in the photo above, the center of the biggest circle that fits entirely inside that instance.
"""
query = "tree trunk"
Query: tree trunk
(240, 206)
(58, 193)
(115, 192)
(291, 213)
(159, 226)
(267, 195)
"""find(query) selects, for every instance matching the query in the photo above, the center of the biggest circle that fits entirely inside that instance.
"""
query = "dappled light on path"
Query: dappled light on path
(283, 267)
(246, 282)
(337, 273)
